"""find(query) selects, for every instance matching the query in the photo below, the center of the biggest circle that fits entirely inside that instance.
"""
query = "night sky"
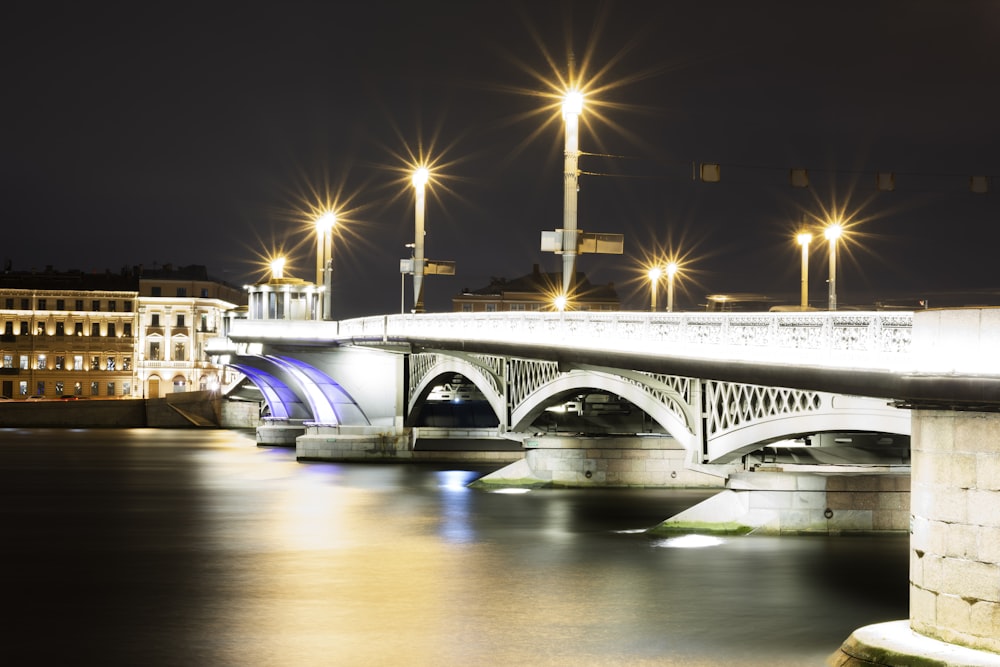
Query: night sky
(209, 133)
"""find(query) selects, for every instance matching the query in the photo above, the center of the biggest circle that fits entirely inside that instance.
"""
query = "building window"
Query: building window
(128, 306)
(111, 389)
(77, 362)
(466, 307)
(126, 363)
(24, 362)
(60, 329)
(182, 291)
(8, 361)
(111, 364)
(126, 388)
(154, 320)
(154, 350)
(179, 352)
(40, 329)
(78, 389)
(95, 306)
(78, 329)
(42, 304)
(9, 303)
(155, 291)
(95, 329)
(95, 363)
(41, 362)
(127, 329)
(40, 388)
(59, 388)
(112, 306)
(22, 387)
(111, 329)
(491, 308)
(204, 292)
(517, 307)
(8, 328)
(79, 304)
(24, 328)
(25, 305)
(180, 319)
(60, 304)
(60, 362)
(95, 388)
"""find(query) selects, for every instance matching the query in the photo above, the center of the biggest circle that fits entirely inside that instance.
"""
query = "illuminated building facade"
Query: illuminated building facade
(130, 335)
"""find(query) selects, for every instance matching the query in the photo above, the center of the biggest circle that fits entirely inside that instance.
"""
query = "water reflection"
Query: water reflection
(191, 547)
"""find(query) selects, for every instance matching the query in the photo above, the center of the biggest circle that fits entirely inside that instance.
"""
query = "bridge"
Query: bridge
(716, 386)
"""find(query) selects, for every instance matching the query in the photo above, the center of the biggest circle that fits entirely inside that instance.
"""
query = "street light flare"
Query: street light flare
(572, 103)
(420, 177)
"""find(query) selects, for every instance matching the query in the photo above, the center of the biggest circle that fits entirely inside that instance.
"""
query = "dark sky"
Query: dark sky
(205, 133)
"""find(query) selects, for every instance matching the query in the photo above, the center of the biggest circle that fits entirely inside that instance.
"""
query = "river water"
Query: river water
(190, 547)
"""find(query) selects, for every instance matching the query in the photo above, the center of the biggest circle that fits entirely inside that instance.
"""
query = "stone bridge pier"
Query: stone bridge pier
(955, 518)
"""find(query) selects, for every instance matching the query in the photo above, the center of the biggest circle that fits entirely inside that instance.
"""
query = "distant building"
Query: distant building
(535, 291)
(138, 333)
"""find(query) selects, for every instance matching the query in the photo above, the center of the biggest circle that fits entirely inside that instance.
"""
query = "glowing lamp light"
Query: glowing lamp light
(655, 273)
(560, 303)
(833, 232)
(420, 177)
(804, 239)
(326, 222)
(278, 268)
(672, 269)
(572, 103)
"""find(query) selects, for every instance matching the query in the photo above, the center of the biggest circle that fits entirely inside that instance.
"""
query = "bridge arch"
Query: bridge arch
(833, 413)
(296, 389)
(674, 415)
(443, 365)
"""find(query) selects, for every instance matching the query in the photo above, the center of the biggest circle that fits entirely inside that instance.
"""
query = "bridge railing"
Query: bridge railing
(844, 338)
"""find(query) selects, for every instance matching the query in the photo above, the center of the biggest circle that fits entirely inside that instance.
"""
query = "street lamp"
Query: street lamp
(572, 108)
(832, 233)
(420, 177)
(671, 272)
(654, 279)
(804, 239)
(277, 268)
(324, 260)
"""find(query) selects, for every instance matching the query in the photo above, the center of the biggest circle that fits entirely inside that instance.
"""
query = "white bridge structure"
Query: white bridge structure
(716, 385)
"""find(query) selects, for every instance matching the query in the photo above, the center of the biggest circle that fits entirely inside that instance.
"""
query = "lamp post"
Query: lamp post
(324, 260)
(832, 233)
(671, 272)
(572, 108)
(654, 279)
(804, 239)
(420, 177)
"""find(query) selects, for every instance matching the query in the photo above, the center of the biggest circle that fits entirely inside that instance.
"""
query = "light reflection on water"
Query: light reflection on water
(196, 548)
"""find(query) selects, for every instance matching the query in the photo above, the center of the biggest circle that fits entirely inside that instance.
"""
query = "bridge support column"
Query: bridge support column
(279, 432)
(954, 549)
(354, 443)
(776, 503)
(596, 461)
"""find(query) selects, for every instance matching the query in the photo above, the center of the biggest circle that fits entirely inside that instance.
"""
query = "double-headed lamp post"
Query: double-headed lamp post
(804, 239)
(832, 234)
(671, 272)
(572, 108)
(420, 177)
(654, 279)
(324, 260)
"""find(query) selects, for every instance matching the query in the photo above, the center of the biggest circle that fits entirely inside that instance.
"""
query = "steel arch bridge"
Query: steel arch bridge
(716, 422)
